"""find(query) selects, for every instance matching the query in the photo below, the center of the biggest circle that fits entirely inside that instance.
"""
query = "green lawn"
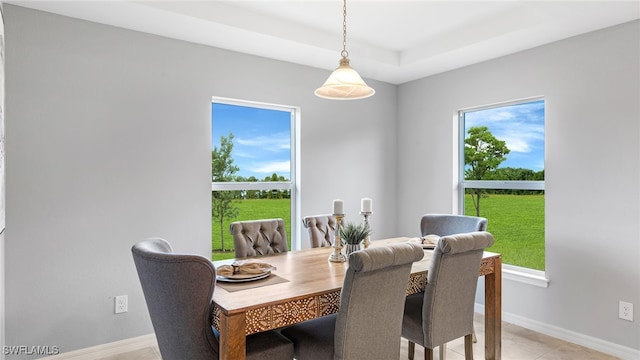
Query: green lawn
(516, 221)
(249, 210)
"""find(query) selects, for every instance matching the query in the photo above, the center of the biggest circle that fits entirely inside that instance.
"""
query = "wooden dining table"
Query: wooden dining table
(305, 285)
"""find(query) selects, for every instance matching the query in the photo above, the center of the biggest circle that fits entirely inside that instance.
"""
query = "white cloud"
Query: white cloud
(272, 167)
(244, 154)
(273, 143)
(518, 145)
(522, 138)
(501, 116)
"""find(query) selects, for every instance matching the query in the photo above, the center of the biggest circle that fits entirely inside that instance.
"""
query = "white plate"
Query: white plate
(419, 241)
(242, 278)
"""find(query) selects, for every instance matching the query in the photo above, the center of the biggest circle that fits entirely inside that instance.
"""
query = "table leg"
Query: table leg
(232, 338)
(493, 312)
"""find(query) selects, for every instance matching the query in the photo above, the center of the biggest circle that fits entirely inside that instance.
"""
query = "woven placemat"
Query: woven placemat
(239, 286)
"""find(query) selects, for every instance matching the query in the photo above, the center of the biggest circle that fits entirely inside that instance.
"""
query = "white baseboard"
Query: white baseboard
(109, 349)
(607, 347)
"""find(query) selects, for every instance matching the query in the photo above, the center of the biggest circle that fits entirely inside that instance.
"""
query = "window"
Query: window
(501, 166)
(253, 168)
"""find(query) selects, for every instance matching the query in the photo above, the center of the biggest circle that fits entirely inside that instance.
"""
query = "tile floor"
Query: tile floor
(517, 344)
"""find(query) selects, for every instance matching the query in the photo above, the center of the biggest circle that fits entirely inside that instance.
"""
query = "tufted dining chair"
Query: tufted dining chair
(259, 237)
(369, 320)
(178, 289)
(322, 229)
(449, 224)
(444, 311)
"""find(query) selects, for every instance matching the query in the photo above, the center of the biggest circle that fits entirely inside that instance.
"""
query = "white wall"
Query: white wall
(108, 142)
(591, 85)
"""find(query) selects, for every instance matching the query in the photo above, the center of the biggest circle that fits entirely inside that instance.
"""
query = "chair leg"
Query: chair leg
(468, 347)
(443, 351)
(412, 349)
(428, 354)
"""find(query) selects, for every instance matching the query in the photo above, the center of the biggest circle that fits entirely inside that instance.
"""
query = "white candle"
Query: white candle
(338, 206)
(365, 205)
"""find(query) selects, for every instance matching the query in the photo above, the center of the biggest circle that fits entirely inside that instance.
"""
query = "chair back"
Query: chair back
(259, 237)
(449, 224)
(178, 289)
(322, 230)
(448, 307)
(369, 321)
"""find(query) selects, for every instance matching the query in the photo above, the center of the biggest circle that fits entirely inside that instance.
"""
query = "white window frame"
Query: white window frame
(292, 184)
(511, 272)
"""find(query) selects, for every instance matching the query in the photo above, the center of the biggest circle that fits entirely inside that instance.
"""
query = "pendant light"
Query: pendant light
(344, 83)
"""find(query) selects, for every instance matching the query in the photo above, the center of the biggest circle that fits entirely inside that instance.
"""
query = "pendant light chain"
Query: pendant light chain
(344, 83)
(344, 52)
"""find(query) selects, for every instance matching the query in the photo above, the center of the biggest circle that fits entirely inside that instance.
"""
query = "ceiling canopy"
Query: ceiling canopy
(392, 41)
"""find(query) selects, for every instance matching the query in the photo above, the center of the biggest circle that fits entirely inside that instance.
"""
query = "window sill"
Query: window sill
(527, 276)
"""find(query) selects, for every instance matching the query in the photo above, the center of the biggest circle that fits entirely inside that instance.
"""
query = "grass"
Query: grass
(249, 210)
(516, 222)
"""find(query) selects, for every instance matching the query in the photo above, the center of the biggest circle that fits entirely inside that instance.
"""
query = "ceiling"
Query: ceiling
(392, 41)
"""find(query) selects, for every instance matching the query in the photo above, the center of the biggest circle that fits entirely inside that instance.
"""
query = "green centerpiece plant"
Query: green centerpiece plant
(353, 235)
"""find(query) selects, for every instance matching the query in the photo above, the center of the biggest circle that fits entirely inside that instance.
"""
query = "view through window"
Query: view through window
(252, 168)
(502, 172)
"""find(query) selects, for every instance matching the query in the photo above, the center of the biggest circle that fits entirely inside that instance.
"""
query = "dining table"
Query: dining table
(305, 285)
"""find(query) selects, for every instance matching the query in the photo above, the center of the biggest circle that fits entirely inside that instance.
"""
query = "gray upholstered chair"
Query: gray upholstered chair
(449, 224)
(444, 311)
(259, 237)
(368, 323)
(178, 289)
(322, 230)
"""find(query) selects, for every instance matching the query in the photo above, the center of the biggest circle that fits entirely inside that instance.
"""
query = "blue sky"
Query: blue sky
(521, 126)
(262, 138)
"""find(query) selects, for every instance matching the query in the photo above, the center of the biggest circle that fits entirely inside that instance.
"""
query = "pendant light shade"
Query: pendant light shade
(344, 83)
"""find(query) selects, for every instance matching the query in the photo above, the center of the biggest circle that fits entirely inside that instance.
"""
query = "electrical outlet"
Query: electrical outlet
(625, 311)
(122, 304)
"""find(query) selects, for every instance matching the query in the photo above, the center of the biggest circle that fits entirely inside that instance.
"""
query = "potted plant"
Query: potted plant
(353, 235)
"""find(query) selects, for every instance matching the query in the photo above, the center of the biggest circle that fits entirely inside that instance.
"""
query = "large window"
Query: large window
(253, 168)
(502, 177)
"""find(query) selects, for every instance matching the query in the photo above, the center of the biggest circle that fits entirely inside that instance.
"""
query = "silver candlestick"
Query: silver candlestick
(337, 255)
(366, 214)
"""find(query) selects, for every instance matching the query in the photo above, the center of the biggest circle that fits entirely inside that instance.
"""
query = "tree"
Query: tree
(252, 194)
(483, 153)
(223, 170)
(276, 194)
(516, 174)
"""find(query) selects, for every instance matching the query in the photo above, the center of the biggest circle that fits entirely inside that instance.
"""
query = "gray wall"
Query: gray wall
(108, 142)
(591, 84)
(2, 174)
